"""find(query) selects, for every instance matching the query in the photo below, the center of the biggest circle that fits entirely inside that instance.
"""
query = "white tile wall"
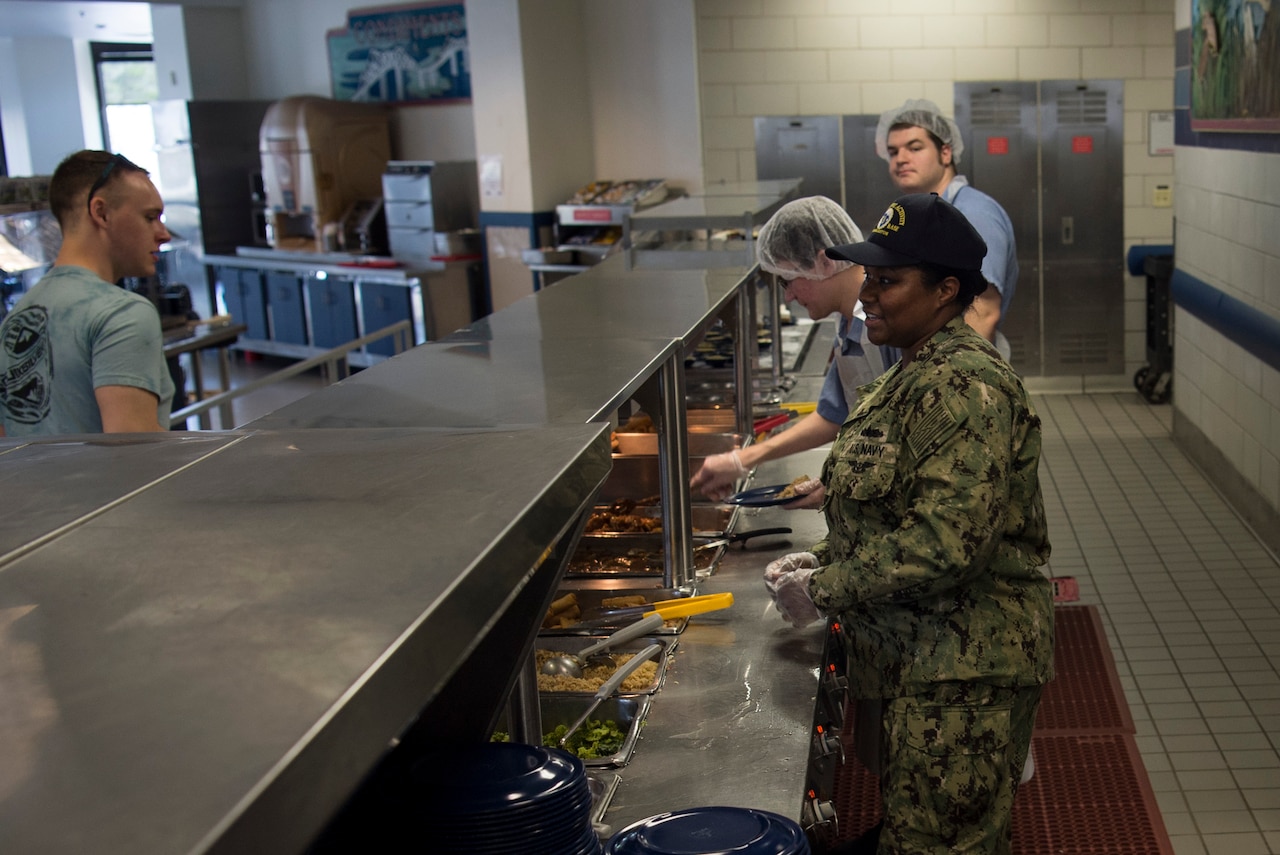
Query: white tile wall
(1227, 218)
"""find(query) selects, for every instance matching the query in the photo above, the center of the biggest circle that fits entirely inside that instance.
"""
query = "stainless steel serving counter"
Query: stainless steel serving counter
(209, 641)
(731, 725)
(572, 353)
(212, 639)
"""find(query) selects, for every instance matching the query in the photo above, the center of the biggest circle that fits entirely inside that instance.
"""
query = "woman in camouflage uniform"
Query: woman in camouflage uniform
(936, 533)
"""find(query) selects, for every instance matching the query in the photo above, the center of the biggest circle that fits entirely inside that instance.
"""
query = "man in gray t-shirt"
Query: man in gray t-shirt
(78, 354)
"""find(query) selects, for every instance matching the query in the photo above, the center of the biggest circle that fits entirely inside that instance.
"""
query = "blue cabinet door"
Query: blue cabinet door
(382, 305)
(333, 310)
(243, 299)
(288, 312)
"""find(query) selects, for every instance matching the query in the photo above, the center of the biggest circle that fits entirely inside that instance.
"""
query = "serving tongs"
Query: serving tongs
(671, 609)
(741, 537)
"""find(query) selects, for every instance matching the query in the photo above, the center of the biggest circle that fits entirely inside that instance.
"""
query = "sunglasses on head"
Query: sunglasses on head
(116, 160)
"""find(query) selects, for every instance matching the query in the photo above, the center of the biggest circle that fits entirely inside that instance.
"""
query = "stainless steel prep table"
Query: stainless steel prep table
(697, 214)
(211, 649)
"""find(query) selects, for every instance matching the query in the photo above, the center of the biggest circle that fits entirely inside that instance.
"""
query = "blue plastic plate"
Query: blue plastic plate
(761, 497)
(711, 831)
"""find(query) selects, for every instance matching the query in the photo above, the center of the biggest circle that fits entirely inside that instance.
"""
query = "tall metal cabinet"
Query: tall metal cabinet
(1052, 154)
(805, 147)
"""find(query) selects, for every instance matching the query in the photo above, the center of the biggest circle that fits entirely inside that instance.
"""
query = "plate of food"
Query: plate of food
(774, 494)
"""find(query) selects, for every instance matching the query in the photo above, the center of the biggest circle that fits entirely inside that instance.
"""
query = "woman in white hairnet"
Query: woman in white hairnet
(792, 246)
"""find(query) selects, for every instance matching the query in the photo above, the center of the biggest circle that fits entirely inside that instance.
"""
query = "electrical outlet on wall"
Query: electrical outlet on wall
(1162, 196)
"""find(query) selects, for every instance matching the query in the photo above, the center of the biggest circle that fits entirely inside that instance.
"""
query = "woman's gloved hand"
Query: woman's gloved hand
(787, 579)
(780, 567)
(717, 476)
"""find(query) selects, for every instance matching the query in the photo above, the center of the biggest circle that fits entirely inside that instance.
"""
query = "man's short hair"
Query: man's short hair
(83, 174)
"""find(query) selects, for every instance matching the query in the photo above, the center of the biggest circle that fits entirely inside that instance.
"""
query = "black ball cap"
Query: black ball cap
(922, 228)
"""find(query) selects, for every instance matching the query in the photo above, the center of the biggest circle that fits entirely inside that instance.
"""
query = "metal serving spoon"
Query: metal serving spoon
(569, 665)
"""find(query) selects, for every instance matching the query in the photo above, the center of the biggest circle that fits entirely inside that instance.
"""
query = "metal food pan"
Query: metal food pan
(632, 555)
(591, 604)
(635, 476)
(702, 442)
(574, 643)
(628, 713)
(707, 520)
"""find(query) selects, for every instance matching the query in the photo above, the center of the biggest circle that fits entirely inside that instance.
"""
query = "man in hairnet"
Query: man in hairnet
(792, 246)
(923, 148)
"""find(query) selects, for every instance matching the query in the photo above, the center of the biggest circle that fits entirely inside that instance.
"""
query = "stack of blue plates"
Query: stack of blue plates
(503, 798)
(711, 831)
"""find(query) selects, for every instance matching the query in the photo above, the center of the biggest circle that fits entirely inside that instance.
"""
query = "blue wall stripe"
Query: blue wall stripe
(1138, 253)
(1256, 332)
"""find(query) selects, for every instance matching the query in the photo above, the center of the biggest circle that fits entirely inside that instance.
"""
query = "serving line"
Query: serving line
(732, 722)
(573, 353)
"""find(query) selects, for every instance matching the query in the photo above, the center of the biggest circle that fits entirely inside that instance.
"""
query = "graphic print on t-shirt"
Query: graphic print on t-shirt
(25, 387)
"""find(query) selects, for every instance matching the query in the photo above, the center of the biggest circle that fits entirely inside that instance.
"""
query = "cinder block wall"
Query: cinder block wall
(810, 57)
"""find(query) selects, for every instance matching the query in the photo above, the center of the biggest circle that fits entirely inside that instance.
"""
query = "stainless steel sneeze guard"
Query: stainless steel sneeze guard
(210, 650)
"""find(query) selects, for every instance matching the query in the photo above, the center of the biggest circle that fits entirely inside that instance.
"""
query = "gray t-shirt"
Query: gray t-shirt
(70, 334)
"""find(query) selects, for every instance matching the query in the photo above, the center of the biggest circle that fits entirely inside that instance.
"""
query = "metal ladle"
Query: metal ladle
(569, 665)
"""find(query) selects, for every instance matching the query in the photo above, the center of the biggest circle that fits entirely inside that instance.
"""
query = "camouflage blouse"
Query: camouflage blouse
(936, 526)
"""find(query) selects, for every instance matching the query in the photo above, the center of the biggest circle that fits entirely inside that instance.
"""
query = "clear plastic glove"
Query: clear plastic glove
(718, 474)
(791, 596)
(809, 496)
(780, 567)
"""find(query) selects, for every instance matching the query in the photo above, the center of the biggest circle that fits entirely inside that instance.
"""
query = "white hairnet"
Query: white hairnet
(922, 113)
(792, 243)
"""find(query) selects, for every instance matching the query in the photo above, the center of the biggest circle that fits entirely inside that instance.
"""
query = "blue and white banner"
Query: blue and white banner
(416, 53)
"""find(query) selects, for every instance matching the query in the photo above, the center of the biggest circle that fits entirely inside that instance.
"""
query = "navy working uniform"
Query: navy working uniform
(936, 536)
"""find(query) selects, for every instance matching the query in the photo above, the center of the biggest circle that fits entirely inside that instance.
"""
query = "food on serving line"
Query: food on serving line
(611, 520)
(563, 612)
(635, 561)
(789, 491)
(625, 601)
(639, 423)
(594, 676)
(566, 612)
(595, 738)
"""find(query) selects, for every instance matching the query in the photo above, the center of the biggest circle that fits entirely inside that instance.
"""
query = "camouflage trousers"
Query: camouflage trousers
(952, 760)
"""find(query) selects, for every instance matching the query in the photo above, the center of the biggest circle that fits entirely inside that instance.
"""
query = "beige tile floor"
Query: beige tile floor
(1190, 599)
(1189, 596)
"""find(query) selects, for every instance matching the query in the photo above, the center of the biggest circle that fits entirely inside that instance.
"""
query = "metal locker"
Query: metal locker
(1082, 155)
(998, 125)
(868, 189)
(805, 147)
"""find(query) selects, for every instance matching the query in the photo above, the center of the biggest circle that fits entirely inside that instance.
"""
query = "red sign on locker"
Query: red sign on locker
(1082, 145)
(997, 145)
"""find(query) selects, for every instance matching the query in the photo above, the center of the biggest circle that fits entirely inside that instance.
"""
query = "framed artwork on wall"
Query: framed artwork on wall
(1235, 66)
(402, 54)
